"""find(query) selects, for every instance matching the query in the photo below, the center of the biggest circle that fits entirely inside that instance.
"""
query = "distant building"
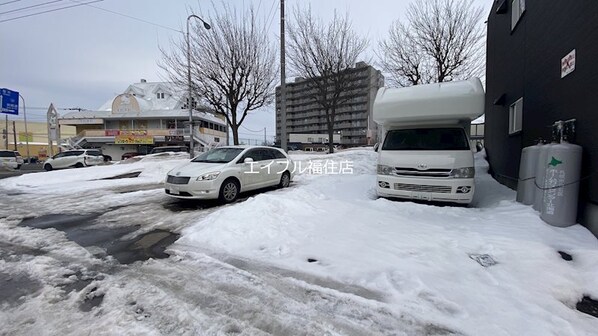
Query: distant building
(37, 135)
(144, 116)
(353, 122)
(541, 68)
(311, 142)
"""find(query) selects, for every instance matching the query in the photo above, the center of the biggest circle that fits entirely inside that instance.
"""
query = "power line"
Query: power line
(250, 130)
(49, 11)
(129, 16)
(8, 2)
(272, 14)
(29, 7)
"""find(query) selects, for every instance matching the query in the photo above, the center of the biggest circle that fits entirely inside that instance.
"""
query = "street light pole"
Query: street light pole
(207, 26)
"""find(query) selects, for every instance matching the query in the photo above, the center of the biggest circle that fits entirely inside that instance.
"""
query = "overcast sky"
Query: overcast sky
(84, 56)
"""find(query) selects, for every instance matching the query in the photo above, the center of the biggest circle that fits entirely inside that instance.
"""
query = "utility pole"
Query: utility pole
(14, 134)
(26, 132)
(265, 140)
(283, 93)
(6, 133)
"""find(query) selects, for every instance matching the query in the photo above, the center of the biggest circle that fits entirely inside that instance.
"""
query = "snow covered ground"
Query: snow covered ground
(324, 257)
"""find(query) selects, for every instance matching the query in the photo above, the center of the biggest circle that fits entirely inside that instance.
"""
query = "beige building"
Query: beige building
(37, 136)
(146, 115)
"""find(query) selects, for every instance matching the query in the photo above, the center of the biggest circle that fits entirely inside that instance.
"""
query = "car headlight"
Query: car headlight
(384, 170)
(467, 172)
(208, 176)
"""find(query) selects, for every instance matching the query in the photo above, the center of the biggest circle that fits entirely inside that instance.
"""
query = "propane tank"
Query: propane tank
(563, 171)
(527, 173)
(540, 174)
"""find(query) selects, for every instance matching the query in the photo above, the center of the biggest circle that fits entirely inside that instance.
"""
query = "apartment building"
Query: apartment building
(353, 122)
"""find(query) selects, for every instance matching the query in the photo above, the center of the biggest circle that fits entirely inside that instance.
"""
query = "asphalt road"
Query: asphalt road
(25, 169)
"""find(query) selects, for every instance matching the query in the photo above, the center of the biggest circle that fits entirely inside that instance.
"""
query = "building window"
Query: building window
(517, 9)
(193, 103)
(310, 139)
(216, 139)
(160, 95)
(516, 116)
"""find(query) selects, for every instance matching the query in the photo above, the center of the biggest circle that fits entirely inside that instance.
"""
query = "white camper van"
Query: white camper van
(425, 152)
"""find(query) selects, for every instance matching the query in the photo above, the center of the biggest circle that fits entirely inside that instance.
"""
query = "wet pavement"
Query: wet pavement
(588, 305)
(13, 287)
(83, 230)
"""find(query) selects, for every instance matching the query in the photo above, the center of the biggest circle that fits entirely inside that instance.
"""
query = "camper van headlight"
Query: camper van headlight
(384, 170)
(467, 172)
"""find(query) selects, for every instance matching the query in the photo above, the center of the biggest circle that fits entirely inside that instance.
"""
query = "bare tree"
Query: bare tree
(233, 65)
(442, 40)
(325, 55)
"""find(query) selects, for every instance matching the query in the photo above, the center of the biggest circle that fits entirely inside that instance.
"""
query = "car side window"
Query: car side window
(277, 154)
(250, 154)
(59, 155)
(266, 154)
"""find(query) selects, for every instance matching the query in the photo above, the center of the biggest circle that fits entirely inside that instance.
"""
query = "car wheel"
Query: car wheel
(285, 180)
(229, 191)
(79, 165)
(48, 167)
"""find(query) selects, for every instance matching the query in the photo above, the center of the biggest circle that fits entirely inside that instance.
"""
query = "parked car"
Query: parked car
(74, 159)
(11, 159)
(224, 172)
(165, 149)
(129, 155)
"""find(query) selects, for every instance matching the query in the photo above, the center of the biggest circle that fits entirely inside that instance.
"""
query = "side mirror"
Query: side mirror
(248, 160)
(376, 146)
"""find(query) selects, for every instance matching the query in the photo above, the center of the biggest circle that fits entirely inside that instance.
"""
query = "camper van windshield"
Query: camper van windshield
(426, 139)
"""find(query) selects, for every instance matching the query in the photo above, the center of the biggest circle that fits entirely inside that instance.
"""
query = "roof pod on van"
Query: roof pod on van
(447, 102)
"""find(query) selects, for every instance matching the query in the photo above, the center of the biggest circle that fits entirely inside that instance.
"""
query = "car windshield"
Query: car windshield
(426, 139)
(219, 155)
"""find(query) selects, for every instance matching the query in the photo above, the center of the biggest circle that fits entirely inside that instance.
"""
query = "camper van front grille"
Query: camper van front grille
(401, 171)
(423, 188)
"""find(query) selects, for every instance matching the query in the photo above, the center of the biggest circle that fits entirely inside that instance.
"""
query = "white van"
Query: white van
(425, 152)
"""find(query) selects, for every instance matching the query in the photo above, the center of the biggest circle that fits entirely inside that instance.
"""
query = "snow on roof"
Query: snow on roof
(150, 106)
(146, 95)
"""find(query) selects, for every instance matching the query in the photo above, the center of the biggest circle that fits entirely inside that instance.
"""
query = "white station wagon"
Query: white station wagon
(224, 172)
(74, 159)
(10, 159)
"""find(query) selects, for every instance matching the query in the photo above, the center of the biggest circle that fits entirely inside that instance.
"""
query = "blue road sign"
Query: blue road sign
(9, 101)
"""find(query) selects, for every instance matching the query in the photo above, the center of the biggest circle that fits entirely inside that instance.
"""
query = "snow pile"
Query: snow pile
(417, 255)
(152, 169)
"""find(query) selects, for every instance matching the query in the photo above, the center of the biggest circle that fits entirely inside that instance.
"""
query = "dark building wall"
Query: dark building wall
(526, 62)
